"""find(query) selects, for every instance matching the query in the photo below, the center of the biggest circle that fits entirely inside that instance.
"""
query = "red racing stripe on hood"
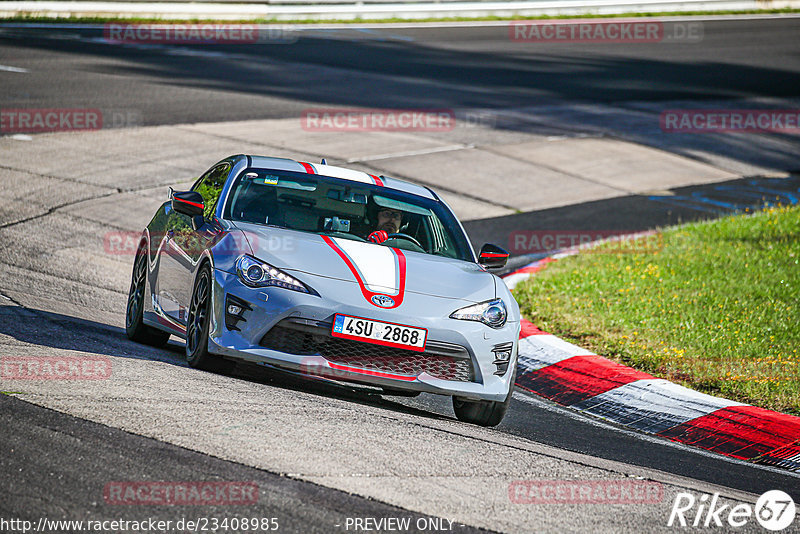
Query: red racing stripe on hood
(401, 265)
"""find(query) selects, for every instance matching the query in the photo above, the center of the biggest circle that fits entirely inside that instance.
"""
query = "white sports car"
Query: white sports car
(328, 271)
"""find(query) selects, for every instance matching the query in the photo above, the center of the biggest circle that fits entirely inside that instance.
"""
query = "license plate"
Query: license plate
(378, 332)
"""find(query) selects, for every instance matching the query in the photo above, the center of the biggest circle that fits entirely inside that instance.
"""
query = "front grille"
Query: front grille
(446, 361)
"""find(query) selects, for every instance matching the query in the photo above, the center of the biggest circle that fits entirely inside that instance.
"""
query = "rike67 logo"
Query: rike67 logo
(774, 510)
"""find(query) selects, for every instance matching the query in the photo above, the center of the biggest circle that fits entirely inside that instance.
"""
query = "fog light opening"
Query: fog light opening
(502, 357)
(234, 312)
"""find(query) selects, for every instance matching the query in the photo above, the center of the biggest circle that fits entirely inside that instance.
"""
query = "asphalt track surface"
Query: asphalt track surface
(88, 455)
(438, 67)
(474, 68)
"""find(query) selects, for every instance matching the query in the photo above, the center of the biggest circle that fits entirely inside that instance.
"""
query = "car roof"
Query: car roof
(285, 164)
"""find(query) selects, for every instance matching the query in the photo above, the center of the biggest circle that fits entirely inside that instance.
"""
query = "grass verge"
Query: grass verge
(143, 20)
(715, 309)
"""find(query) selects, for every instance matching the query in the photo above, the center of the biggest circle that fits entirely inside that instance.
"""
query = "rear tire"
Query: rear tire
(483, 413)
(135, 328)
(197, 326)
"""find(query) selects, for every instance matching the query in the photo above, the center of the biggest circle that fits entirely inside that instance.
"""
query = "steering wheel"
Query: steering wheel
(404, 236)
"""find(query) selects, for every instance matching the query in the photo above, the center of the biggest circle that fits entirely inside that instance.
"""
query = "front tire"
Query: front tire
(483, 413)
(135, 328)
(197, 326)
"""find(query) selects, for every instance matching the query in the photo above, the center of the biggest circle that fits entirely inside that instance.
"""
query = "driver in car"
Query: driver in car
(389, 221)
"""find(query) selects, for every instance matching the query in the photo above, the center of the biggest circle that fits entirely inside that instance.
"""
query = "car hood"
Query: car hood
(374, 268)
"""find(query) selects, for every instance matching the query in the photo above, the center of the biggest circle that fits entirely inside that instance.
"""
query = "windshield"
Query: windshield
(342, 208)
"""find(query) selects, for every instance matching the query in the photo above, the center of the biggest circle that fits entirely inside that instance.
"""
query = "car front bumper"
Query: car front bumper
(273, 305)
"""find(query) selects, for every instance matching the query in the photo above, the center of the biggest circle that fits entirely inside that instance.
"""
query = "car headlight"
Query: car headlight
(491, 312)
(256, 273)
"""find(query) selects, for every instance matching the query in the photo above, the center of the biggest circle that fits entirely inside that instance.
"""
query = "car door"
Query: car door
(185, 243)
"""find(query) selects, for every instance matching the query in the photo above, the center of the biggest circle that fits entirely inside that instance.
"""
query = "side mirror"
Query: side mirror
(197, 222)
(188, 202)
(492, 256)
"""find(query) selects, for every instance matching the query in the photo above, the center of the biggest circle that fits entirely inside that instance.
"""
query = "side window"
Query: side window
(210, 186)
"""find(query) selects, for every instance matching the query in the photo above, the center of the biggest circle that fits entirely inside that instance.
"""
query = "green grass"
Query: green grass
(140, 20)
(715, 309)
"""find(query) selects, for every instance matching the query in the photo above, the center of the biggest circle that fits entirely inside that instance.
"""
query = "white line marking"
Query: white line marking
(12, 69)
(420, 152)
